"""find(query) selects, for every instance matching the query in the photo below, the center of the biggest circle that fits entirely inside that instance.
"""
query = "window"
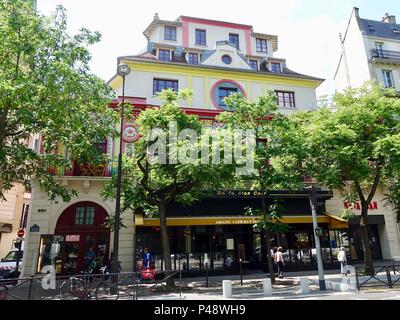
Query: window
(226, 59)
(24, 215)
(193, 58)
(170, 33)
(200, 37)
(379, 48)
(225, 92)
(89, 215)
(163, 55)
(388, 78)
(234, 38)
(275, 67)
(261, 45)
(286, 99)
(161, 84)
(253, 64)
(80, 215)
(84, 215)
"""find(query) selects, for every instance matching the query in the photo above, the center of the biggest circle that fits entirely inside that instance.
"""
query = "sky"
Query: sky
(307, 30)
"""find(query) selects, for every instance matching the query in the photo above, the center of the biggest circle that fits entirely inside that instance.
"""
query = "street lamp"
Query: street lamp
(313, 204)
(123, 70)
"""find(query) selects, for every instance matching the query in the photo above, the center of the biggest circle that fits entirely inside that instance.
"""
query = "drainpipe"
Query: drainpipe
(345, 61)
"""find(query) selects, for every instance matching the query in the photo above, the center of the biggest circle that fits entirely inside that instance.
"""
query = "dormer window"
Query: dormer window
(200, 37)
(276, 67)
(261, 45)
(253, 64)
(170, 33)
(193, 58)
(234, 38)
(164, 55)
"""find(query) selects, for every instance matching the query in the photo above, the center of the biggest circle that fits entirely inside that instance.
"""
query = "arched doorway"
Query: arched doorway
(83, 230)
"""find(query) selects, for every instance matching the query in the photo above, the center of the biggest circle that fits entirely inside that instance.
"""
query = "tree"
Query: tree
(272, 162)
(46, 89)
(353, 146)
(163, 170)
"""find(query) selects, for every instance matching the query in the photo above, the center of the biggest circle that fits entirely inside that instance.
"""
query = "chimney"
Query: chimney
(156, 16)
(389, 18)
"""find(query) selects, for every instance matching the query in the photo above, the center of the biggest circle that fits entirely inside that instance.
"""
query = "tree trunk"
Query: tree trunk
(369, 266)
(268, 243)
(162, 207)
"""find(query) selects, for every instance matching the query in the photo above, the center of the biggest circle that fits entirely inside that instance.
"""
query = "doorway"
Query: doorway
(86, 238)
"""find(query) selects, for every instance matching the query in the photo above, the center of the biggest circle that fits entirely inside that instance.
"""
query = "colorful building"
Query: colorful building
(214, 59)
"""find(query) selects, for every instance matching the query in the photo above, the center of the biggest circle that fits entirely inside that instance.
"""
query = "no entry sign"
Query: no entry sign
(21, 233)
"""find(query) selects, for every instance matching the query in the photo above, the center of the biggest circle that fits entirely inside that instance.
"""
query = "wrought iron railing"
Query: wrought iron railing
(385, 54)
(119, 286)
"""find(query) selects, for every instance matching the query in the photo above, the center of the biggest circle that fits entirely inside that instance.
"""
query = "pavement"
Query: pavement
(287, 288)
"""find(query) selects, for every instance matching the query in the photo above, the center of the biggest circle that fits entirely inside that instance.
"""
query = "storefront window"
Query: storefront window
(49, 252)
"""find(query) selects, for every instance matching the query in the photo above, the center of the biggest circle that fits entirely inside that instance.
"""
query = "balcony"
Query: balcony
(385, 56)
(106, 169)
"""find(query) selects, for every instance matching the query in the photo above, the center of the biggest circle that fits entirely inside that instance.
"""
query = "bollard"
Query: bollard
(206, 275)
(304, 288)
(267, 287)
(227, 289)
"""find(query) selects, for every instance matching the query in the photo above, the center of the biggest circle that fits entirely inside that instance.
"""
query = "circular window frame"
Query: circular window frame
(217, 84)
(226, 56)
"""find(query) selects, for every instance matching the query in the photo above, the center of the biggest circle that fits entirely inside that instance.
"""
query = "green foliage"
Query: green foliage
(275, 166)
(111, 221)
(147, 183)
(393, 198)
(271, 219)
(46, 89)
(357, 140)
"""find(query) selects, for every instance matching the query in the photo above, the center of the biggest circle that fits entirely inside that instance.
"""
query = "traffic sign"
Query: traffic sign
(20, 233)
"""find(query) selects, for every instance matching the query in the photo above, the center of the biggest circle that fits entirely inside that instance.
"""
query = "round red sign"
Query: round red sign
(21, 233)
(130, 134)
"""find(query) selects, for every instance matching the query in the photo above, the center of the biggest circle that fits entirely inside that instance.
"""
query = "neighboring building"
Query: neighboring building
(214, 59)
(370, 51)
(13, 216)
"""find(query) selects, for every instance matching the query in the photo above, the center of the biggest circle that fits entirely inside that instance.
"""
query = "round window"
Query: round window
(226, 59)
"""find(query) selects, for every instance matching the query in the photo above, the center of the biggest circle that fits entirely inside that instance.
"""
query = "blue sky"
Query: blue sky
(307, 30)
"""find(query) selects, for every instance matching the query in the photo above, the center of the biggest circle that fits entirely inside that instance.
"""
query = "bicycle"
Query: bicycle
(78, 288)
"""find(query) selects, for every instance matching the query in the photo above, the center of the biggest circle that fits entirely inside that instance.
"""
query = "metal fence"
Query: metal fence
(120, 286)
(383, 276)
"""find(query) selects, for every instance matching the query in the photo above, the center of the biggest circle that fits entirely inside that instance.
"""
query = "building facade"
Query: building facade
(214, 59)
(370, 51)
(13, 216)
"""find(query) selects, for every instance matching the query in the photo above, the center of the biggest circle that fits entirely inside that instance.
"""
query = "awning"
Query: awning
(334, 222)
(5, 227)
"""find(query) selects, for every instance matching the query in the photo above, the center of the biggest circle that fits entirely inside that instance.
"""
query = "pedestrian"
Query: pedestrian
(279, 261)
(148, 259)
(343, 261)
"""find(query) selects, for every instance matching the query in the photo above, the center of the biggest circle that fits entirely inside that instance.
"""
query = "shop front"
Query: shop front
(80, 238)
(217, 242)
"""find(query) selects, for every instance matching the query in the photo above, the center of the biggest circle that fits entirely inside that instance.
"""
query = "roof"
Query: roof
(219, 21)
(152, 59)
(379, 29)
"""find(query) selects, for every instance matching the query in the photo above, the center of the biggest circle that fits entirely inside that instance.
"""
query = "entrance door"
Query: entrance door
(356, 246)
(86, 238)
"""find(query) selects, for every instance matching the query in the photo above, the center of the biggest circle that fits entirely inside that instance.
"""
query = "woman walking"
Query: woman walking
(279, 261)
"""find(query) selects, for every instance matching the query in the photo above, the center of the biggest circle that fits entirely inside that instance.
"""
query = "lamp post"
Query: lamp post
(123, 70)
(313, 204)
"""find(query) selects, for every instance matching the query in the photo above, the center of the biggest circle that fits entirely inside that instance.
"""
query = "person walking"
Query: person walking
(343, 261)
(279, 261)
